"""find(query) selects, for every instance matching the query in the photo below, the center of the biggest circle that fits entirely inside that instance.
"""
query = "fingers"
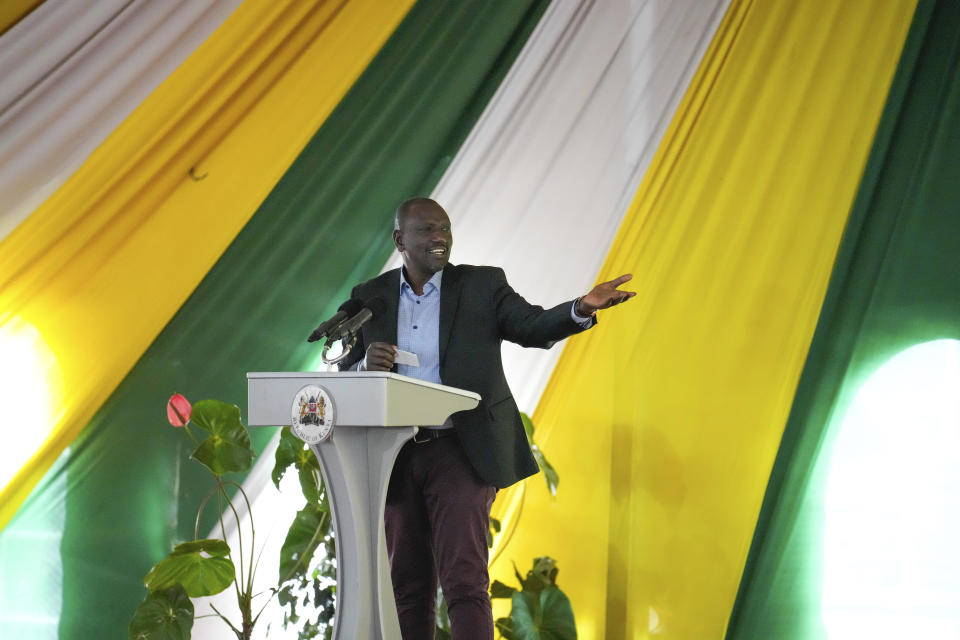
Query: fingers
(606, 294)
(380, 356)
(616, 298)
(616, 282)
(623, 297)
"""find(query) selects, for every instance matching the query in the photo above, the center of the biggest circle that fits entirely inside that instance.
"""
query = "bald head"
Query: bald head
(408, 207)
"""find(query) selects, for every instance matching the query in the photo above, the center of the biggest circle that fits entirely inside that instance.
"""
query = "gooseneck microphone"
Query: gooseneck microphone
(347, 331)
(370, 310)
(349, 308)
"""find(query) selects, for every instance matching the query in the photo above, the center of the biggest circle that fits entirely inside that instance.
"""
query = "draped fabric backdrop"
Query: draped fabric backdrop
(894, 286)
(72, 72)
(321, 229)
(103, 264)
(582, 110)
(664, 420)
(154, 207)
(187, 188)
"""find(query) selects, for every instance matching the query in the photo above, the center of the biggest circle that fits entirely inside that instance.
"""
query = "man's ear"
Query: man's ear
(398, 240)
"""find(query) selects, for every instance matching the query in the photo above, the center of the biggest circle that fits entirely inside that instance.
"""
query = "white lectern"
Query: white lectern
(366, 417)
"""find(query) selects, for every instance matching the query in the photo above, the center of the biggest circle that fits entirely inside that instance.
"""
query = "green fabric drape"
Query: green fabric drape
(129, 492)
(894, 285)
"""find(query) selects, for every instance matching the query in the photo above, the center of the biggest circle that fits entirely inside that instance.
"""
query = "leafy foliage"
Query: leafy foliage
(544, 616)
(540, 610)
(549, 473)
(200, 567)
(492, 530)
(307, 579)
(303, 538)
(228, 447)
(165, 614)
(292, 451)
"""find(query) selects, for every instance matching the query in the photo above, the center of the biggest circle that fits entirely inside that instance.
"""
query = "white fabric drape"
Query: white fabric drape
(72, 72)
(542, 182)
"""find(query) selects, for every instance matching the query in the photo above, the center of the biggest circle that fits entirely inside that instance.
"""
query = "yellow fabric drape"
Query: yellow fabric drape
(13, 11)
(101, 266)
(663, 421)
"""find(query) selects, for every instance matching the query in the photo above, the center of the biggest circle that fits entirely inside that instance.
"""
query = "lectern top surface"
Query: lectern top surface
(306, 375)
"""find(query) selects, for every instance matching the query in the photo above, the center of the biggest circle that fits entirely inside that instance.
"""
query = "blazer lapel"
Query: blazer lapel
(384, 326)
(449, 298)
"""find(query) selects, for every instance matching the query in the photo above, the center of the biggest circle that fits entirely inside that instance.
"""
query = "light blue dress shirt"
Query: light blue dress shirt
(418, 328)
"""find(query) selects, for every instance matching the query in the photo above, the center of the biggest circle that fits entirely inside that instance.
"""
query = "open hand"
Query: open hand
(605, 295)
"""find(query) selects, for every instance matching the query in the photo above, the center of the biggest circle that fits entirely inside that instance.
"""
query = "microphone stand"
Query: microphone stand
(347, 346)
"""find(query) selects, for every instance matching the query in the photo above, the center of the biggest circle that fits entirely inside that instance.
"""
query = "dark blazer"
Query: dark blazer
(478, 310)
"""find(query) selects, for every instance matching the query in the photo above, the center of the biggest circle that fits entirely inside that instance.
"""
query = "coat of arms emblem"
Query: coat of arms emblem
(312, 414)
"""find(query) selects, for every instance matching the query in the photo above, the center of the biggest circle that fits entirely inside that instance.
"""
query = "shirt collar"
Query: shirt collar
(432, 284)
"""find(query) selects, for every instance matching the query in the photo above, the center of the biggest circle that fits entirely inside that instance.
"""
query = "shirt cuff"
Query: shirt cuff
(586, 323)
(356, 365)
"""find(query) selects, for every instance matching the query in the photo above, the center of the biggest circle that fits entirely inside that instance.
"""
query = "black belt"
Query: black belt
(425, 434)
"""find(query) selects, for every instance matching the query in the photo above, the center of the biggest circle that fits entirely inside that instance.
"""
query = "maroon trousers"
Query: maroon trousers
(437, 517)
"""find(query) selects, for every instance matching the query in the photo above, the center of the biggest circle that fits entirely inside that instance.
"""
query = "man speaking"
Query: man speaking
(453, 318)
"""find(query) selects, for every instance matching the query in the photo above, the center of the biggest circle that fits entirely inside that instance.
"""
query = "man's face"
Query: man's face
(424, 239)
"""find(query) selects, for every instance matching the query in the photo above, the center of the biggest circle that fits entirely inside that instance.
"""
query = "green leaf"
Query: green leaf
(527, 425)
(308, 530)
(549, 473)
(163, 615)
(443, 618)
(492, 529)
(310, 483)
(228, 447)
(543, 574)
(516, 572)
(544, 616)
(215, 416)
(505, 627)
(287, 452)
(292, 451)
(200, 566)
(501, 590)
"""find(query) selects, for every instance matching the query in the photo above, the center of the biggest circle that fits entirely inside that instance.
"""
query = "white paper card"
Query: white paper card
(406, 357)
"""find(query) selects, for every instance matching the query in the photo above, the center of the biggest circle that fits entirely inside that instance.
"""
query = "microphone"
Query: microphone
(349, 308)
(371, 309)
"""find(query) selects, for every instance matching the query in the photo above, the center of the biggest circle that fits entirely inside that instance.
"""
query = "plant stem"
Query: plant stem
(236, 518)
(253, 534)
(203, 505)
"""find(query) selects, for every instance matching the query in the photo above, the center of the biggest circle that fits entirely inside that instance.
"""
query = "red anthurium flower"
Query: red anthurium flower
(178, 410)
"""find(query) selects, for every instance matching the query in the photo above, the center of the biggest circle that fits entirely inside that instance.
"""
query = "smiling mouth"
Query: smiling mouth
(439, 251)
